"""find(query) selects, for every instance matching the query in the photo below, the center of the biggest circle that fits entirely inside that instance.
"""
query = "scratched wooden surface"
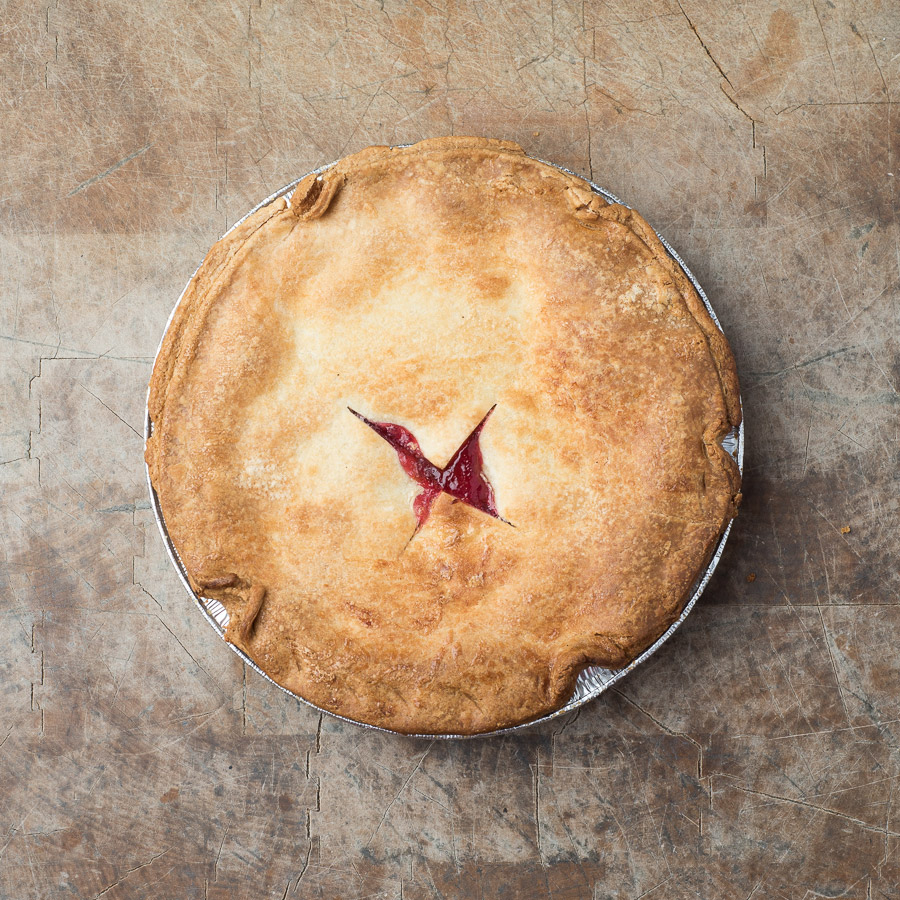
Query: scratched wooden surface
(756, 756)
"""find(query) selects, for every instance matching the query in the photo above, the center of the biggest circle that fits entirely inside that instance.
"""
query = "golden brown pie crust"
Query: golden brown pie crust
(420, 286)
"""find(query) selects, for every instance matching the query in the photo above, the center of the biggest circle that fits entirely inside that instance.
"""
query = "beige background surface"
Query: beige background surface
(757, 755)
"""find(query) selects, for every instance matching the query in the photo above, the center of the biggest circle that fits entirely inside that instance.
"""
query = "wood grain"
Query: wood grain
(756, 755)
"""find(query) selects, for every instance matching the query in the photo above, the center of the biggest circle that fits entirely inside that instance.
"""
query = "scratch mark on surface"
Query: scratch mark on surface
(649, 891)
(880, 73)
(84, 353)
(130, 871)
(110, 410)
(887, 820)
(719, 69)
(536, 802)
(216, 860)
(823, 809)
(180, 644)
(36, 705)
(804, 364)
(755, 886)
(397, 796)
(827, 49)
(126, 159)
(137, 584)
(664, 728)
(421, 794)
(304, 868)
(244, 698)
(587, 118)
(884, 374)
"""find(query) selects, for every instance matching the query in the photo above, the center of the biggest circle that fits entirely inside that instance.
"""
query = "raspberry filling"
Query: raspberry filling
(463, 477)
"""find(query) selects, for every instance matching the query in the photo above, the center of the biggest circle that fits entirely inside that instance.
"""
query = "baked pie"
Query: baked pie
(440, 431)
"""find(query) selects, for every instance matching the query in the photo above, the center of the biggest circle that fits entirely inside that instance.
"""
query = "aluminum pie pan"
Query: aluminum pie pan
(593, 680)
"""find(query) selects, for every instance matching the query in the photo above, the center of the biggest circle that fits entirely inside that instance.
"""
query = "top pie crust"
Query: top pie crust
(420, 286)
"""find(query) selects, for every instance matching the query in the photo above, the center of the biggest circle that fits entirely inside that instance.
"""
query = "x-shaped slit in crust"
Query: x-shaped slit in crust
(463, 477)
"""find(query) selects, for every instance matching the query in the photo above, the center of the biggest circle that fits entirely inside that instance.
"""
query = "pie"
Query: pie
(440, 431)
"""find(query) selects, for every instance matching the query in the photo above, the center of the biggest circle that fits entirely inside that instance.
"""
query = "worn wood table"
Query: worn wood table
(757, 755)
